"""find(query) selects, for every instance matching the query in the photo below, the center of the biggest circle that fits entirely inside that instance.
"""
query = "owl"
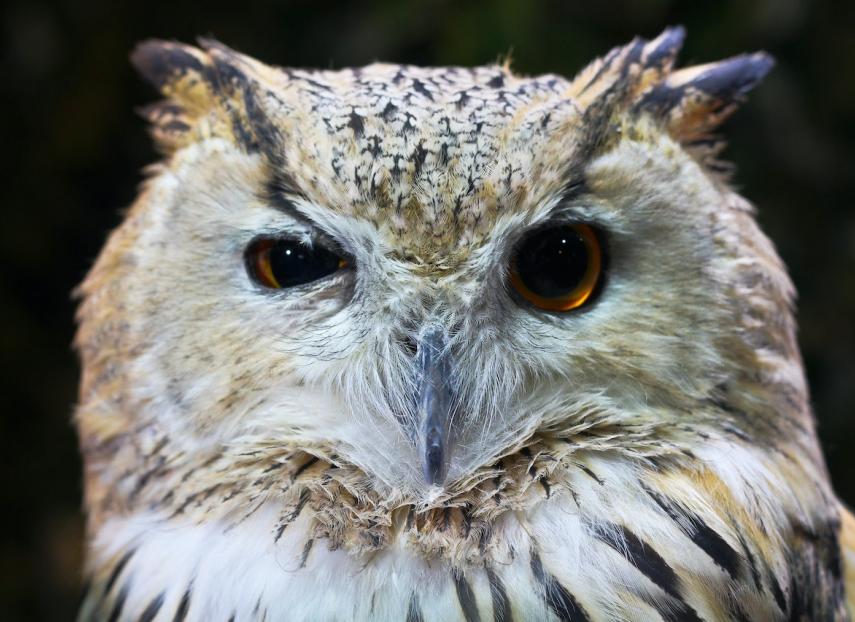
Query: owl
(439, 344)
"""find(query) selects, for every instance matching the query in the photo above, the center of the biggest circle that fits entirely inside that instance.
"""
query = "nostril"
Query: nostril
(409, 344)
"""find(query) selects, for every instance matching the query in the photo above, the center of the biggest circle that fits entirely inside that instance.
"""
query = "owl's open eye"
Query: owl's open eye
(558, 268)
(286, 262)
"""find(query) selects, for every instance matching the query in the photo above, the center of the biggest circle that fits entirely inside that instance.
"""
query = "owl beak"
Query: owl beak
(434, 402)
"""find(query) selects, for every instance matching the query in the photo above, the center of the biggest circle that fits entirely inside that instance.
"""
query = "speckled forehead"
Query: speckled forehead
(430, 156)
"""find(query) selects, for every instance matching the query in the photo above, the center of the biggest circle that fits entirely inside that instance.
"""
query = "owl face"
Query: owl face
(422, 268)
(392, 342)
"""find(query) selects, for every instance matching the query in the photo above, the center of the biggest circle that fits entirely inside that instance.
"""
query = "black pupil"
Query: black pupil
(552, 263)
(294, 263)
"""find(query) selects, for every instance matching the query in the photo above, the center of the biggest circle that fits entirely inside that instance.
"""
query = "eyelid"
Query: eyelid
(584, 208)
(289, 206)
(565, 216)
(306, 233)
(323, 223)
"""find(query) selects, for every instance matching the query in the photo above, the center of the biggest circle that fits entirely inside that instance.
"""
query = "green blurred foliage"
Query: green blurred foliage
(74, 149)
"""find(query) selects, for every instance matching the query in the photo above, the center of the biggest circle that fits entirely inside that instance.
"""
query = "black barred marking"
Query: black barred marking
(414, 612)
(576, 187)
(544, 483)
(486, 536)
(160, 62)
(496, 82)
(499, 597)
(641, 555)
(152, 609)
(777, 592)
(466, 517)
(279, 191)
(674, 611)
(301, 503)
(118, 570)
(562, 602)
(200, 467)
(119, 604)
(825, 542)
(587, 471)
(419, 87)
(227, 80)
(147, 475)
(652, 565)
(356, 123)
(306, 550)
(466, 598)
(606, 66)
(266, 136)
(274, 467)
(704, 536)
(310, 462)
(737, 614)
(183, 606)
(418, 158)
(462, 100)
(389, 112)
(815, 588)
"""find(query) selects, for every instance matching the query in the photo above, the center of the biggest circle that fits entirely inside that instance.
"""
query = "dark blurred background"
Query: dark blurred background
(74, 149)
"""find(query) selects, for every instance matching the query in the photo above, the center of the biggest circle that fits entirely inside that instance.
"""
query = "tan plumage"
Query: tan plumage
(258, 452)
(847, 543)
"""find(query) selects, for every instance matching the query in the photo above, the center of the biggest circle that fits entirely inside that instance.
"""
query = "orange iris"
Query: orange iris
(558, 269)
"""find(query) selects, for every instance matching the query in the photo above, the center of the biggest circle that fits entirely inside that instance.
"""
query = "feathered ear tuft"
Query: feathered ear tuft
(627, 70)
(170, 66)
(182, 74)
(639, 78)
(694, 101)
(209, 92)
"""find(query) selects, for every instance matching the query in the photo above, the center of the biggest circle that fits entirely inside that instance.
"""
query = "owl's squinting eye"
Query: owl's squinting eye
(558, 268)
(286, 262)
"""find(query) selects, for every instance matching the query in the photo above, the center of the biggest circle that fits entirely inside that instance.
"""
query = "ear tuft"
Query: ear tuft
(210, 91)
(626, 70)
(695, 100)
(639, 78)
(663, 50)
(182, 74)
(163, 63)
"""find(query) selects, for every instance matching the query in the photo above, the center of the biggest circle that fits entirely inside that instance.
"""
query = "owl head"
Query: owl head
(417, 271)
